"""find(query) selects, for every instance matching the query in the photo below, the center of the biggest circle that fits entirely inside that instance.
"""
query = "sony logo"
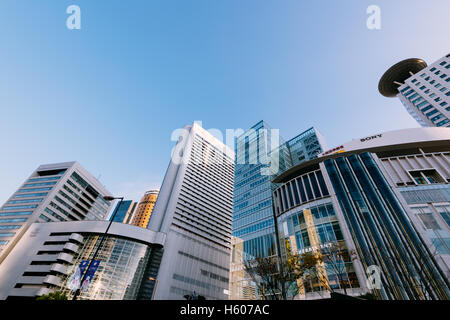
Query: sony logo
(371, 137)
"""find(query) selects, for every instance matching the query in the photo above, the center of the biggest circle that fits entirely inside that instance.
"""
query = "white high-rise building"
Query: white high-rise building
(53, 193)
(423, 90)
(194, 209)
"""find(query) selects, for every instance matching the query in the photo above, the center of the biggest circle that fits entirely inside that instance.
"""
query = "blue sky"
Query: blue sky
(110, 95)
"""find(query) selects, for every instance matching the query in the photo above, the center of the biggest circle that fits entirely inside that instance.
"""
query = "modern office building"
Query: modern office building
(258, 149)
(386, 198)
(124, 211)
(423, 90)
(53, 192)
(48, 256)
(194, 209)
(144, 209)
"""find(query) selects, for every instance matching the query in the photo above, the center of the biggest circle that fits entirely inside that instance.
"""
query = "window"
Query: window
(39, 184)
(18, 213)
(24, 201)
(426, 176)
(9, 227)
(404, 89)
(13, 220)
(431, 113)
(7, 234)
(21, 207)
(30, 195)
(444, 211)
(34, 190)
(43, 179)
(426, 108)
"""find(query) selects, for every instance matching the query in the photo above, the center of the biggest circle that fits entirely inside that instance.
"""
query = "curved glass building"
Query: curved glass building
(386, 199)
(53, 256)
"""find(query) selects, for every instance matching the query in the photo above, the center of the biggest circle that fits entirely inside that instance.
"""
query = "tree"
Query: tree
(335, 256)
(57, 295)
(274, 277)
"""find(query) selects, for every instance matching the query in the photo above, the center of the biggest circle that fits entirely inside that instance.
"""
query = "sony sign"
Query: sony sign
(371, 137)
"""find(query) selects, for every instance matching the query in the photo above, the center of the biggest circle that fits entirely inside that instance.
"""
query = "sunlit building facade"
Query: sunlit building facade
(144, 210)
(194, 209)
(47, 259)
(53, 192)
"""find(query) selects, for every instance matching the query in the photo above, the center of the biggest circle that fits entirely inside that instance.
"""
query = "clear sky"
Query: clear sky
(110, 95)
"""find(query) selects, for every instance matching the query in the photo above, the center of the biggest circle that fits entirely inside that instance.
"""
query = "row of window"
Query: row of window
(300, 190)
(20, 207)
(30, 195)
(17, 213)
(13, 220)
(425, 107)
(34, 190)
(25, 201)
(44, 179)
(256, 227)
(7, 234)
(9, 227)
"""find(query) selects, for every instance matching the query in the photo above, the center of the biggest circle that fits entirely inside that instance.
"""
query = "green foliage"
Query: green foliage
(57, 295)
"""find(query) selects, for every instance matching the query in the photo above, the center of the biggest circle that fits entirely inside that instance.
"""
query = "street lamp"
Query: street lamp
(156, 286)
(107, 198)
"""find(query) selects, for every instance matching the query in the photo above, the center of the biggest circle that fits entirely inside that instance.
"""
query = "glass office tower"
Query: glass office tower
(124, 211)
(260, 155)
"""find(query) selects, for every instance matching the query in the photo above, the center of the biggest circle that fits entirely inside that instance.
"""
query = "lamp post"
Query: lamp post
(107, 198)
(156, 286)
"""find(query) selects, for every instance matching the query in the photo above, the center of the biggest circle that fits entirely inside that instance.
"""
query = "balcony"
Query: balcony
(71, 247)
(64, 257)
(76, 237)
(59, 268)
(53, 280)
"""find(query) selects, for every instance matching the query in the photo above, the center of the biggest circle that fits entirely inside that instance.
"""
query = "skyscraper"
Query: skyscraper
(194, 209)
(257, 150)
(125, 211)
(53, 192)
(423, 90)
(144, 209)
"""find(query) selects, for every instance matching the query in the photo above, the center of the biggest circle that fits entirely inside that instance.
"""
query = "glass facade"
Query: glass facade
(122, 267)
(122, 210)
(382, 231)
(256, 152)
(252, 212)
(315, 227)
